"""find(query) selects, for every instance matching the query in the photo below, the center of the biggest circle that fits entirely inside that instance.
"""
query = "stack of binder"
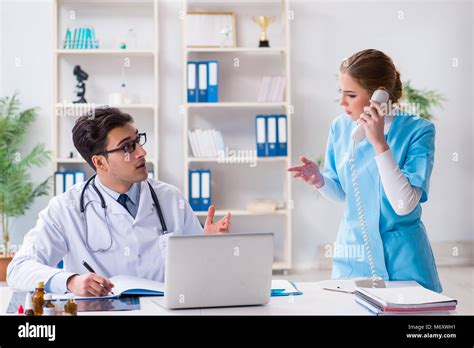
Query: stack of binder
(202, 82)
(413, 299)
(271, 135)
(200, 189)
(63, 181)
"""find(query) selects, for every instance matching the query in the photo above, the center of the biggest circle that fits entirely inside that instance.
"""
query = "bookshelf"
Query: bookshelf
(236, 105)
(98, 52)
(234, 185)
(108, 66)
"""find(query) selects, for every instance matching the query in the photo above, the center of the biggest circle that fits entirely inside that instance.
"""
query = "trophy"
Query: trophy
(264, 22)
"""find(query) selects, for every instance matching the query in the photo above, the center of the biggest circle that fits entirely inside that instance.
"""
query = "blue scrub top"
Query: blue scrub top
(400, 246)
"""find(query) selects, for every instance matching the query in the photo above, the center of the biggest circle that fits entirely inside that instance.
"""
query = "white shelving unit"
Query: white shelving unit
(118, 52)
(106, 64)
(244, 109)
(235, 105)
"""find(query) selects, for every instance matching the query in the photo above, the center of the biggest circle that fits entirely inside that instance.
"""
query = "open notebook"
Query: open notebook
(128, 285)
(125, 285)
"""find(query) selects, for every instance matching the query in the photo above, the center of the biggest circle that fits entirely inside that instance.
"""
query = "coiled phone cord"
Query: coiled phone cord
(361, 216)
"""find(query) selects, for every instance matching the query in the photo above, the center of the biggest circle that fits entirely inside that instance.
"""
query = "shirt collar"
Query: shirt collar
(133, 193)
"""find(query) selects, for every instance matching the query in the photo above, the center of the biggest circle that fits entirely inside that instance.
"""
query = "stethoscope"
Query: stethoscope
(104, 207)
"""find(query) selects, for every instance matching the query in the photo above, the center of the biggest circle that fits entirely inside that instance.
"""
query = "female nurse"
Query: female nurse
(382, 180)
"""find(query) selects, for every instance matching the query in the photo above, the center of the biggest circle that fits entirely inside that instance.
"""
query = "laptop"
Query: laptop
(218, 270)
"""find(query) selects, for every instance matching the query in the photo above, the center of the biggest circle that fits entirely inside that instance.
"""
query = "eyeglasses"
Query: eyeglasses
(130, 146)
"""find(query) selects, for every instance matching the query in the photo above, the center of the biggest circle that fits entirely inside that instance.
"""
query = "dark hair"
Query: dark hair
(372, 69)
(90, 131)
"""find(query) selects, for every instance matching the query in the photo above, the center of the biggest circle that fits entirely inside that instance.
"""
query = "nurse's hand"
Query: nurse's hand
(221, 226)
(308, 172)
(373, 123)
(89, 284)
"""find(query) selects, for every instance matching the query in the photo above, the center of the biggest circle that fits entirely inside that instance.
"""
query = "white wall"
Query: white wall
(423, 45)
(27, 68)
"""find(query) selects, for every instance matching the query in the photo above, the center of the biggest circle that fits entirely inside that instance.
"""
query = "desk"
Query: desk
(314, 301)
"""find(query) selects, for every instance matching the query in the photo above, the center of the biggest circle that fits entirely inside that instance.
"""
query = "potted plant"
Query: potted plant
(424, 100)
(17, 192)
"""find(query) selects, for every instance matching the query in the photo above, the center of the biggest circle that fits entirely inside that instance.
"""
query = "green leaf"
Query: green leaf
(421, 100)
(17, 191)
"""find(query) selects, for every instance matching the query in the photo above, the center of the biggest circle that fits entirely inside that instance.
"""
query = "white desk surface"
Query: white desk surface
(314, 301)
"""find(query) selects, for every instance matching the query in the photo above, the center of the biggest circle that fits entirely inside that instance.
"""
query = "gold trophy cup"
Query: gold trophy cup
(264, 22)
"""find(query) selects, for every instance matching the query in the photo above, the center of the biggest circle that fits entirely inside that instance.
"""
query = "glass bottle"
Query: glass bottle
(38, 298)
(48, 301)
(70, 307)
(29, 305)
(58, 307)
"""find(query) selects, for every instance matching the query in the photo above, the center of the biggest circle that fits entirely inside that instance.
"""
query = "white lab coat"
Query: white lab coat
(138, 248)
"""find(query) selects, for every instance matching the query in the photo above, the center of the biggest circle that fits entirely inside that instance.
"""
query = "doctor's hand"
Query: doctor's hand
(308, 172)
(221, 226)
(373, 123)
(89, 284)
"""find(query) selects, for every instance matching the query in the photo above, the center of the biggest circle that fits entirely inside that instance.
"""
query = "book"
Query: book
(206, 142)
(280, 95)
(124, 285)
(379, 312)
(272, 89)
(193, 143)
(67, 40)
(404, 299)
(264, 89)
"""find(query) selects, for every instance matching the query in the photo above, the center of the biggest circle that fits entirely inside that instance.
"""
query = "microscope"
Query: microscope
(81, 76)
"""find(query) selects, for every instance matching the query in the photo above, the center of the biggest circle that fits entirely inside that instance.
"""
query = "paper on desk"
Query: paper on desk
(345, 285)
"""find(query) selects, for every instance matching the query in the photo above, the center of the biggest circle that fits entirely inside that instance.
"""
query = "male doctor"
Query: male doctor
(120, 233)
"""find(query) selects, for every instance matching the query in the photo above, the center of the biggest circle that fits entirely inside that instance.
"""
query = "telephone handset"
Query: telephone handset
(358, 133)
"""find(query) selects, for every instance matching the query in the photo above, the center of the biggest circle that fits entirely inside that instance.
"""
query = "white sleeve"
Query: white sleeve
(43, 247)
(332, 190)
(402, 196)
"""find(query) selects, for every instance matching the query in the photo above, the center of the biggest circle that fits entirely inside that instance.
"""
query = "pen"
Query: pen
(86, 265)
(90, 269)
